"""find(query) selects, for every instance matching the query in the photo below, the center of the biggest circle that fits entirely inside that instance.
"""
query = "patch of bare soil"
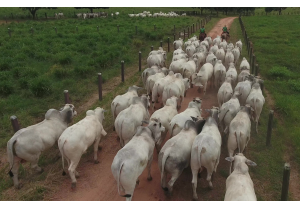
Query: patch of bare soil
(97, 183)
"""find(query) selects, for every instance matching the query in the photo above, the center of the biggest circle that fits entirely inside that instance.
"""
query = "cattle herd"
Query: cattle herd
(158, 14)
(194, 141)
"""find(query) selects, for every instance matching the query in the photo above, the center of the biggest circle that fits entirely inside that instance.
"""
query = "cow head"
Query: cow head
(156, 128)
(214, 112)
(68, 112)
(239, 161)
(99, 112)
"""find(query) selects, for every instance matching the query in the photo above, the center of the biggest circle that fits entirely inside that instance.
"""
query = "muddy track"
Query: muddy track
(97, 183)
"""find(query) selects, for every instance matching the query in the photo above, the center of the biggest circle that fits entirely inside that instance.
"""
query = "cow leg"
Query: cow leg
(149, 168)
(34, 165)
(256, 125)
(209, 174)
(194, 183)
(162, 138)
(72, 170)
(173, 179)
(217, 162)
(96, 144)
(163, 181)
(15, 171)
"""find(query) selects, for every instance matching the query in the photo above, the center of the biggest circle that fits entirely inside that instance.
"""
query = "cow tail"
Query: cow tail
(119, 174)
(200, 147)
(62, 158)
(238, 137)
(163, 161)
(114, 113)
(11, 154)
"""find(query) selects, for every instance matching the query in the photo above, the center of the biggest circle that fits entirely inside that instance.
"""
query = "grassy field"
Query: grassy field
(276, 54)
(67, 60)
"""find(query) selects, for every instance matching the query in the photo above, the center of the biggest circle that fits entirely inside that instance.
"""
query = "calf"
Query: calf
(175, 155)
(206, 150)
(239, 180)
(76, 139)
(130, 161)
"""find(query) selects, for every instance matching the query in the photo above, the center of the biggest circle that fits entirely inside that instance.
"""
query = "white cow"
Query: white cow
(177, 66)
(192, 111)
(256, 101)
(209, 40)
(219, 74)
(178, 43)
(200, 58)
(175, 155)
(232, 73)
(76, 139)
(239, 131)
(225, 92)
(190, 50)
(206, 44)
(230, 46)
(196, 44)
(180, 56)
(130, 118)
(151, 81)
(176, 88)
(122, 102)
(228, 111)
(156, 60)
(147, 72)
(60, 15)
(239, 44)
(27, 144)
(211, 58)
(159, 86)
(130, 161)
(203, 76)
(165, 115)
(206, 150)
(244, 64)
(189, 68)
(178, 51)
(214, 50)
(244, 88)
(239, 180)
(217, 40)
(220, 54)
(223, 44)
(229, 58)
(236, 54)
(242, 76)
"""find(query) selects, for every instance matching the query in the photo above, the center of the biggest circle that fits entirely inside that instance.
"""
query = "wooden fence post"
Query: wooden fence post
(253, 63)
(174, 45)
(256, 69)
(285, 182)
(14, 122)
(188, 33)
(152, 48)
(161, 43)
(100, 86)
(67, 97)
(269, 132)
(122, 71)
(174, 37)
(140, 61)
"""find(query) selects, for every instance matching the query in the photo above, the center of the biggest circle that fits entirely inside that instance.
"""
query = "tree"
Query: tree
(270, 9)
(91, 8)
(33, 10)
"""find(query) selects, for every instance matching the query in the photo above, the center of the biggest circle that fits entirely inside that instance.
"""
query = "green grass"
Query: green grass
(46, 63)
(276, 55)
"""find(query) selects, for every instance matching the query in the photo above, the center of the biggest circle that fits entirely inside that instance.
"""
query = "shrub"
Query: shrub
(40, 86)
(59, 71)
(280, 72)
(6, 88)
(63, 58)
(23, 82)
(294, 85)
(137, 43)
(82, 70)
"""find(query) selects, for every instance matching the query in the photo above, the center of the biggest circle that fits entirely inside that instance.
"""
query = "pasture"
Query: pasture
(34, 60)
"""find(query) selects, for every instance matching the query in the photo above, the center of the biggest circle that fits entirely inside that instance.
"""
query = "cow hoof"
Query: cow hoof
(73, 185)
(165, 189)
(195, 199)
(114, 129)
(96, 161)
(99, 148)
(149, 178)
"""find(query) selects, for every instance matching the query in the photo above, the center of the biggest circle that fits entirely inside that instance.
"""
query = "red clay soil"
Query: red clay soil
(96, 182)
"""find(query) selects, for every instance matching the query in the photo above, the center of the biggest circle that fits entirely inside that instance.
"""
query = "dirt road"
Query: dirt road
(97, 183)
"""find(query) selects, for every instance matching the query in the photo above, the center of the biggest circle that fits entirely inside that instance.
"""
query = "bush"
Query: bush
(280, 72)
(63, 58)
(23, 82)
(83, 70)
(137, 43)
(6, 88)
(59, 71)
(294, 85)
(40, 86)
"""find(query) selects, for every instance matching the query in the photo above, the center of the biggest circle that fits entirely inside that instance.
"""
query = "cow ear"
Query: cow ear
(146, 122)
(230, 159)
(194, 119)
(250, 163)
